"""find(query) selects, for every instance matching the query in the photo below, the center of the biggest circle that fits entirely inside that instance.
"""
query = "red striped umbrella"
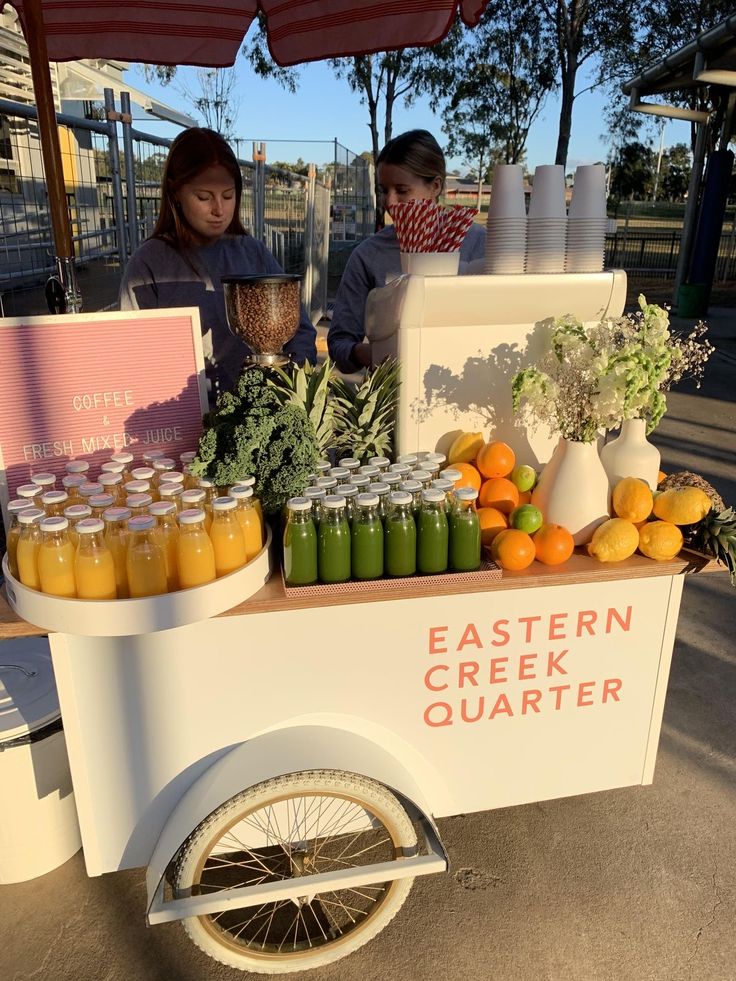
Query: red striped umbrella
(208, 33)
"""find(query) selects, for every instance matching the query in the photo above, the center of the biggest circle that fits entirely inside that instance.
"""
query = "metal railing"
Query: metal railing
(110, 214)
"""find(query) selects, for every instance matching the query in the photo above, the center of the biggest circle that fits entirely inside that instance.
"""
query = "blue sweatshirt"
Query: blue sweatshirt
(369, 265)
(159, 276)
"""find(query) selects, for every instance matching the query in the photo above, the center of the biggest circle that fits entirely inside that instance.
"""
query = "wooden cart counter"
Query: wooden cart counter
(273, 597)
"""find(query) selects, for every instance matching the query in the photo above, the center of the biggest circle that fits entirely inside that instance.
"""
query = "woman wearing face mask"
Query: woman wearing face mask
(199, 238)
(410, 167)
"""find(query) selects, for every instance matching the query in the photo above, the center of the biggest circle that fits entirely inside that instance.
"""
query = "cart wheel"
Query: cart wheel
(294, 826)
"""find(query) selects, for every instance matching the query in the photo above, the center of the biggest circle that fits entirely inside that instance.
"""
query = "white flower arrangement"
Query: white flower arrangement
(590, 379)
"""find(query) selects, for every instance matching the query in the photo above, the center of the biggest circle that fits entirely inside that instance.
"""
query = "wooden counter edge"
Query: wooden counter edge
(273, 598)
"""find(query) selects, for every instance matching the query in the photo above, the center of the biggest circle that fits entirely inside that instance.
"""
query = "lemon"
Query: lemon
(632, 499)
(614, 540)
(682, 505)
(660, 540)
(465, 448)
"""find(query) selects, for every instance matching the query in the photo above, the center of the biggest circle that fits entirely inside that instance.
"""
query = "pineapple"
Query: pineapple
(308, 387)
(684, 478)
(365, 417)
(716, 535)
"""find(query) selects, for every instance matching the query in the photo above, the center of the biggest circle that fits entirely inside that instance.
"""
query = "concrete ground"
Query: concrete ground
(635, 884)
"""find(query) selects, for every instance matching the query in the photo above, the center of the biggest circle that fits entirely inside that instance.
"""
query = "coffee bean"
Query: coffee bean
(263, 311)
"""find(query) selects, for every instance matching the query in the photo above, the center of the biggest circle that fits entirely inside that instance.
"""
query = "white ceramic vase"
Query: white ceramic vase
(631, 455)
(573, 489)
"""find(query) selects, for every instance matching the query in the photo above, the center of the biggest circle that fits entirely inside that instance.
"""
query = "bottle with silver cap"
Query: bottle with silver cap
(166, 534)
(145, 563)
(16, 506)
(94, 568)
(367, 539)
(226, 537)
(464, 549)
(315, 496)
(382, 492)
(400, 536)
(432, 533)
(56, 559)
(29, 541)
(116, 539)
(195, 556)
(300, 543)
(349, 492)
(333, 541)
(414, 488)
(349, 463)
(382, 462)
(74, 514)
(341, 475)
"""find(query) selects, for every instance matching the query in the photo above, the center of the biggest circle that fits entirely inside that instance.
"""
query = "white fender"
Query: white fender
(284, 750)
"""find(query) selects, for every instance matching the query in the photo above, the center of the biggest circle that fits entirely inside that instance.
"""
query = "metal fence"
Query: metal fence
(647, 240)
(293, 213)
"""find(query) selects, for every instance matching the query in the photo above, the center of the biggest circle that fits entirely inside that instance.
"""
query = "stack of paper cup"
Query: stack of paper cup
(506, 223)
(587, 221)
(547, 222)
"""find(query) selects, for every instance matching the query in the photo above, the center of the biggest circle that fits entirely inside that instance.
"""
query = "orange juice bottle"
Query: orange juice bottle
(89, 490)
(210, 493)
(145, 563)
(53, 502)
(194, 551)
(31, 493)
(138, 503)
(127, 461)
(251, 482)
(150, 456)
(186, 458)
(56, 558)
(94, 567)
(160, 466)
(196, 498)
(73, 514)
(190, 481)
(112, 483)
(111, 467)
(15, 509)
(100, 503)
(167, 535)
(28, 542)
(45, 480)
(71, 484)
(250, 523)
(143, 473)
(116, 539)
(77, 467)
(136, 487)
(227, 537)
(171, 493)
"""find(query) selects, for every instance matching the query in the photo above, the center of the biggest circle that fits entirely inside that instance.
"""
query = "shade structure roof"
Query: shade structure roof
(210, 32)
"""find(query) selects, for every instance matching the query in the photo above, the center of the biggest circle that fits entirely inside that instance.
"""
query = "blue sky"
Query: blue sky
(324, 108)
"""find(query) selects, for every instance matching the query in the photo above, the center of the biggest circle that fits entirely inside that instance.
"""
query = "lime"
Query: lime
(526, 518)
(524, 477)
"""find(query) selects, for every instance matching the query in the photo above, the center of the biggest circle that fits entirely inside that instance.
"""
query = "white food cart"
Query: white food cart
(277, 759)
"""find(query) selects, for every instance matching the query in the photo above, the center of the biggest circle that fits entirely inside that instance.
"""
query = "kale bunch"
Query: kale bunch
(251, 434)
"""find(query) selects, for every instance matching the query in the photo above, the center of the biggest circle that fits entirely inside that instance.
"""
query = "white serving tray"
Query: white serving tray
(125, 617)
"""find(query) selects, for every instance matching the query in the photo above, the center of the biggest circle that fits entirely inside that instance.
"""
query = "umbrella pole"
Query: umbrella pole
(51, 152)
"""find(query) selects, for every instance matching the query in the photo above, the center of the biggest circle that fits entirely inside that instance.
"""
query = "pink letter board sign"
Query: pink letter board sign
(85, 386)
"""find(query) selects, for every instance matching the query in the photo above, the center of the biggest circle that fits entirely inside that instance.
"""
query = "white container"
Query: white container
(39, 830)
(430, 263)
(631, 455)
(124, 617)
(573, 490)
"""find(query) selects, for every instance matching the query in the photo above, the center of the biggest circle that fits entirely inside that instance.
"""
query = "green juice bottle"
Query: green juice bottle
(333, 541)
(367, 539)
(400, 541)
(432, 533)
(300, 543)
(464, 532)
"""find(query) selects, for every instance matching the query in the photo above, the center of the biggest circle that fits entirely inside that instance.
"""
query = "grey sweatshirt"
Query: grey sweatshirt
(159, 276)
(368, 266)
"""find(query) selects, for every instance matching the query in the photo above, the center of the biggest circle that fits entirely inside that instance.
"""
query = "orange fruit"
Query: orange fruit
(491, 522)
(525, 497)
(660, 477)
(495, 459)
(469, 476)
(553, 544)
(499, 493)
(513, 550)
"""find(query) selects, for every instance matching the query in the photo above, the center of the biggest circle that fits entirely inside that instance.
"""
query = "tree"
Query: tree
(676, 166)
(214, 101)
(632, 173)
(592, 33)
(495, 83)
